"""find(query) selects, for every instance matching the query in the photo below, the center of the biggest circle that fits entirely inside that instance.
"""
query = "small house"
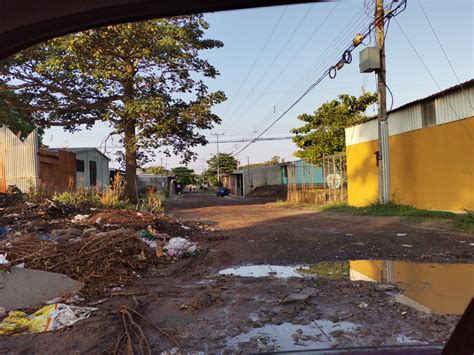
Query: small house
(92, 167)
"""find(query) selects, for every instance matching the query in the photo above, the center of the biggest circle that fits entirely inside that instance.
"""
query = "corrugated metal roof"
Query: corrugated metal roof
(456, 88)
(80, 150)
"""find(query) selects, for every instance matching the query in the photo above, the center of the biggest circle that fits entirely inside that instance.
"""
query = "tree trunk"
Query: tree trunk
(130, 163)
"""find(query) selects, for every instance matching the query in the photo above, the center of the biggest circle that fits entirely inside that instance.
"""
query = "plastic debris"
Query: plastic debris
(180, 247)
(402, 234)
(3, 259)
(363, 305)
(47, 237)
(80, 217)
(185, 227)
(3, 232)
(407, 245)
(48, 318)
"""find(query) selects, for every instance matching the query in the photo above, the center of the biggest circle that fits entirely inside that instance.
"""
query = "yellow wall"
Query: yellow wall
(431, 168)
(443, 288)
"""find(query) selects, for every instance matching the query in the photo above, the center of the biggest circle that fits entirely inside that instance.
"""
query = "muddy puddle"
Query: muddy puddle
(426, 287)
(319, 334)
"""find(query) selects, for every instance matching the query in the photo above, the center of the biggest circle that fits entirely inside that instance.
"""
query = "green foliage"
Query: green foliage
(37, 194)
(14, 117)
(323, 131)
(184, 176)
(156, 170)
(389, 209)
(227, 164)
(273, 161)
(84, 198)
(146, 79)
(112, 197)
(152, 203)
(329, 270)
(463, 221)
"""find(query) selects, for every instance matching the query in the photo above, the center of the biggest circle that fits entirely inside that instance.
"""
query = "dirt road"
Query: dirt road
(205, 303)
(261, 233)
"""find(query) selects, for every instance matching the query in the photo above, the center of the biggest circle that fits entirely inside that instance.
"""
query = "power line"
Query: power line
(332, 51)
(243, 140)
(332, 71)
(260, 54)
(279, 53)
(293, 57)
(445, 54)
(432, 76)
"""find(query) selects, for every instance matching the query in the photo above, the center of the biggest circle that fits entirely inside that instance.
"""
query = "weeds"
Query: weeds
(94, 196)
(37, 194)
(463, 221)
(112, 197)
(152, 203)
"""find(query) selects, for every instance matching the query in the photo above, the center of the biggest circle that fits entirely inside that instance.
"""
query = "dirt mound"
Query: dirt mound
(270, 191)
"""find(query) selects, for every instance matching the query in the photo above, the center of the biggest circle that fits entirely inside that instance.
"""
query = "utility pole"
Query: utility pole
(384, 152)
(217, 156)
(248, 173)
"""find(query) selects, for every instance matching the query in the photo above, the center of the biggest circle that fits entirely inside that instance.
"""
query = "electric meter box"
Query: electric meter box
(369, 59)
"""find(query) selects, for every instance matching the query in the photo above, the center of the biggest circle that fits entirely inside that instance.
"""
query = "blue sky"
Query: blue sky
(307, 40)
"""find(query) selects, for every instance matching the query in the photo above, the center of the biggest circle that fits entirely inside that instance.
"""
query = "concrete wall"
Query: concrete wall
(158, 182)
(103, 174)
(431, 168)
(263, 176)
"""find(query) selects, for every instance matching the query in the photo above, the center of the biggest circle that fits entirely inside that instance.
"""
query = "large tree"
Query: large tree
(12, 116)
(227, 164)
(184, 176)
(145, 79)
(323, 131)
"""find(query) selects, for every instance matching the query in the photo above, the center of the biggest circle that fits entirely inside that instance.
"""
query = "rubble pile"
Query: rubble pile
(101, 261)
(101, 248)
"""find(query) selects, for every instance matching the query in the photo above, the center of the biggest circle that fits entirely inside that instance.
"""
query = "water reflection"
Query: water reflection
(428, 287)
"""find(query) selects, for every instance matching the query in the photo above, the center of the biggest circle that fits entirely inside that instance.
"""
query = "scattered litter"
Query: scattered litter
(48, 318)
(12, 215)
(47, 237)
(402, 234)
(462, 241)
(185, 227)
(349, 234)
(180, 247)
(3, 259)
(471, 244)
(407, 245)
(80, 217)
(98, 220)
(3, 232)
(362, 305)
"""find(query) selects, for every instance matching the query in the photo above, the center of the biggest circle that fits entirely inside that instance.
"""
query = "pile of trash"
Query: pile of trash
(103, 249)
(48, 318)
(163, 244)
(101, 261)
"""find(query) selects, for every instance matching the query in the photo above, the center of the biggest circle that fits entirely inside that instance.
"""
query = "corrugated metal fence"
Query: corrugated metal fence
(18, 160)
